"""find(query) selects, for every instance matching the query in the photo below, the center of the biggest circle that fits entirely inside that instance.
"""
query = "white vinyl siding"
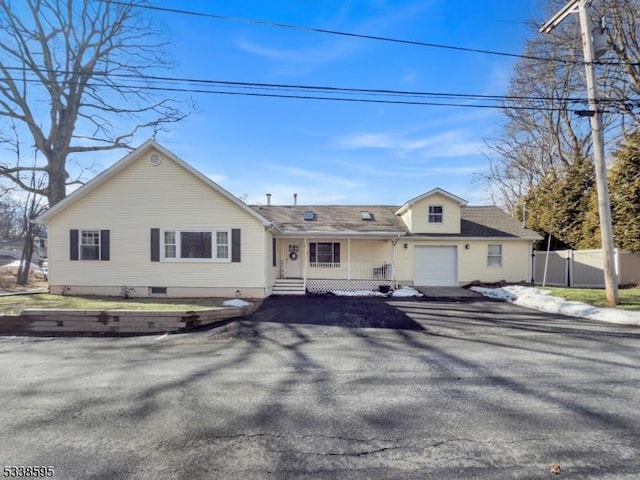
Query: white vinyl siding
(133, 202)
(472, 262)
(422, 217)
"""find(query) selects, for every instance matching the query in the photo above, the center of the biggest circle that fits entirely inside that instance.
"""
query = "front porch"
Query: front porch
(338, 264)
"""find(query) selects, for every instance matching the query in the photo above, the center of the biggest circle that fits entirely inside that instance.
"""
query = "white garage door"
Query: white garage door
(435, 266)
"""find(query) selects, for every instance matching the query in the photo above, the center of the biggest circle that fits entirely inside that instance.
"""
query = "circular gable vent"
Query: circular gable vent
(155, 159)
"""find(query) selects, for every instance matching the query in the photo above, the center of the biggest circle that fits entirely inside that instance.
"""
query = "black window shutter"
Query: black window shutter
(336, 253)
(104, 245)
(73, 244)
(155, 244)
(312, 252)
(235, 244)
(273, 251)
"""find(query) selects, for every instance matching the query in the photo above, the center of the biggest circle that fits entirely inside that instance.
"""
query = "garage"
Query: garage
(435, 266)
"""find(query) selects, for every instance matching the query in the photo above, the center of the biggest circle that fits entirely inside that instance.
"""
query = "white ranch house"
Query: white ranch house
(154, 225)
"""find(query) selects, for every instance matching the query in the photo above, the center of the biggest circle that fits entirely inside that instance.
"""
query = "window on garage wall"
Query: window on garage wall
(494, 255)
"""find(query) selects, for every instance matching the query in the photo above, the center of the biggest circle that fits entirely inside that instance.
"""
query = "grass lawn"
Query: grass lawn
(16, 303)
(629, 297)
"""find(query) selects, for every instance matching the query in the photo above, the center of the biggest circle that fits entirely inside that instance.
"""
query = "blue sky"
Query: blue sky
(341, 152)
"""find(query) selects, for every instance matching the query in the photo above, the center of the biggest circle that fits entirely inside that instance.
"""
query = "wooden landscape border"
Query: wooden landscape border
(61, 321)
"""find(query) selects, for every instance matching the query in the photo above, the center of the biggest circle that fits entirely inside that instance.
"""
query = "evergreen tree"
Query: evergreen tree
(559, 204)
(624, 189)
(591, 225)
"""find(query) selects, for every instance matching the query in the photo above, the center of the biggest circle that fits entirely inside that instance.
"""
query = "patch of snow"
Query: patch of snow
(542, 300)
(358, 293)
(12, 268)
(236, 302)
(406, 292)
(162, 337)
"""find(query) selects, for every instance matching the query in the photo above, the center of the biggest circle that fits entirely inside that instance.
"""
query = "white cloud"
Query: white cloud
(408, 172)
(216, 177)
(453, 143)
(409, 77)
(282, 194)
(331, 48)
(325, 53)
(316, 176)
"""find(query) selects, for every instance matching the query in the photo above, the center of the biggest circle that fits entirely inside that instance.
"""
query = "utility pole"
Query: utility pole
(597, 136)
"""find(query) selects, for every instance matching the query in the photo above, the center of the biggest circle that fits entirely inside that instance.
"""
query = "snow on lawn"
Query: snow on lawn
(543, 300)
(401, 292)
(235, 303)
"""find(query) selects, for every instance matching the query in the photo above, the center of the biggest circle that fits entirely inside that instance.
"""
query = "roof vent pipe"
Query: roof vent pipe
(295, 199)
(268, 199)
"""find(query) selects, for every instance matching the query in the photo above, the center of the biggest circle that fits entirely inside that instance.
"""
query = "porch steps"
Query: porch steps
(289, 286)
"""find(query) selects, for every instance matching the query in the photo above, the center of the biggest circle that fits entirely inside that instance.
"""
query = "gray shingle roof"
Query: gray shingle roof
(486, 221)
(334, 218)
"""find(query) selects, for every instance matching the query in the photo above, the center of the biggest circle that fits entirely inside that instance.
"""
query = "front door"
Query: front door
(293, 261)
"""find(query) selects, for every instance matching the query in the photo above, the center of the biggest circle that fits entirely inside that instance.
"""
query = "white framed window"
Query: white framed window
(494, 256)
(89, 244)
(196, 245)
(326, 253)
(170, 245)
(436, 213)
(222, 245)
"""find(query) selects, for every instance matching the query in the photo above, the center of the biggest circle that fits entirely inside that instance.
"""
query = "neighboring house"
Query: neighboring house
(10, 250)
(154, 224)
(40, 244)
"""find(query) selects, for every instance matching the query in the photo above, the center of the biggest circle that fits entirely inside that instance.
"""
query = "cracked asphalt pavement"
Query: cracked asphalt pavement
(332, 388)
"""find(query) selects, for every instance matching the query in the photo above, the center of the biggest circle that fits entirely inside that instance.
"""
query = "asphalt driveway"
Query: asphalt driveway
(442, 312)
(444, 390)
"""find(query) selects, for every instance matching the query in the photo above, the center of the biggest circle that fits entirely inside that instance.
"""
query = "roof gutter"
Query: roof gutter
(310, 233)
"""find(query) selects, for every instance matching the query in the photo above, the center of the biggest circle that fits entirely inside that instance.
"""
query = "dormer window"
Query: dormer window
(435, 213)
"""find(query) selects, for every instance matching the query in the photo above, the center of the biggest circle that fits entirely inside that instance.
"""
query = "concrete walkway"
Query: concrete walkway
(448, 293)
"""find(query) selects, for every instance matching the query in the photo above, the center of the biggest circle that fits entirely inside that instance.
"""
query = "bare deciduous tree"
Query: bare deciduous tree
(543, 132)
(73, 75)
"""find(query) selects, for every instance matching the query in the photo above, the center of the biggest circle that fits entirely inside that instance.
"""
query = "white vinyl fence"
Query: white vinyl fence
(583, 268)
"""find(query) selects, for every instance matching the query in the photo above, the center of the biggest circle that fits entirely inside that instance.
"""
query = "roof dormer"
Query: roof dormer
(436, 211)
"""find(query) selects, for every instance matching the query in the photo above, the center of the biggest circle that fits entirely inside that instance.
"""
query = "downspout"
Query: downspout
(270, 229)
(531, 260)
(305, 255)
(266, 262)
(393, 261)
(348, 258)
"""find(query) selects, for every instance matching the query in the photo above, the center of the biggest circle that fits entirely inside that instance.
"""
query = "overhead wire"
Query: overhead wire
(289, 26)
(331, 93)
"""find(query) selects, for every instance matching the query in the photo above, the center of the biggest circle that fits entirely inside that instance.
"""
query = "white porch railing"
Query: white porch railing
(350, 271)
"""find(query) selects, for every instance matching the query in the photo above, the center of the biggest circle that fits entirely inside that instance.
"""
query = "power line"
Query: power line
(314, 88)
(359, 35)
(337, 32)
(125, 87)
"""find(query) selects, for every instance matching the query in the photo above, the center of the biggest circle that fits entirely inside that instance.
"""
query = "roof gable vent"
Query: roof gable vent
(155, 159)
